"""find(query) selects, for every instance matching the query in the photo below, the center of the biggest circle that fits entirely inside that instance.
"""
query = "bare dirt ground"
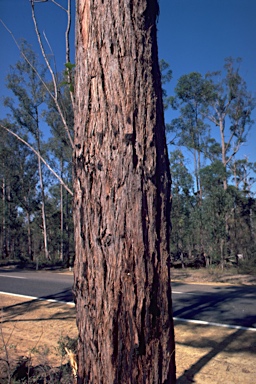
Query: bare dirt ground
(204, 355)
(33, 329)
(214, 275)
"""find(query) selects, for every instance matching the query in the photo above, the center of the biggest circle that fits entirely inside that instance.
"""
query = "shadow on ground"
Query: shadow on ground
(20, 311)
(213, 345)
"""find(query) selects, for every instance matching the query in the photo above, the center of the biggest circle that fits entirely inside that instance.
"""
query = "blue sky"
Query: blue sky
(198, 35)
(193, 35)
(16, 14)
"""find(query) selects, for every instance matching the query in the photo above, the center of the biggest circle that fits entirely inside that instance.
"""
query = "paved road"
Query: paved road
(44, 284)
(233, 305)
(222, 304)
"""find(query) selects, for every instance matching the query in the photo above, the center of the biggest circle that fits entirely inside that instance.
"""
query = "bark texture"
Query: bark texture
(121, 198)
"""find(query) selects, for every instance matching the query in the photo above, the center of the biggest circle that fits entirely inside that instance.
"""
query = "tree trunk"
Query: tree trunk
(43, 214)
(223, 150)
(68, 231)
(61, 215)
(30, 249)
(121, 198)
(222, 254)
(4, 237)
(46, 251)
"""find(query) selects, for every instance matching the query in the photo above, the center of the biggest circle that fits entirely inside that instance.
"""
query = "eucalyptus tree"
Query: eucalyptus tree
(61, 153)
(30, 64)
(121, 198)
(6, 208)
(25, 191)
(216, 209)
(183, 204)
(29, 94)
(166, 76)
(241, 222)
(19, 179)
(230, 109)
(54, 93)
(243, 172)
(192, 93)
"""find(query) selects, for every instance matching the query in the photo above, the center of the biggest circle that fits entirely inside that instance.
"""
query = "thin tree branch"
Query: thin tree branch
(59, 5)
(55, 96)
(227, 145)
(52, 75)
(69, 71)
(49, 45)
(67, 33)
(211, 118)
(236, 149)
(39, 156)
(26, 59)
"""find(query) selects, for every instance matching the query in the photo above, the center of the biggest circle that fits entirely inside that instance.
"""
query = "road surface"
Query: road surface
(43, 284)
(231, 305)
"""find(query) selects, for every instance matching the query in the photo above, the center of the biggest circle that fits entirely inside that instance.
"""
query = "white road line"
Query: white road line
(13, 277)
(201, 322)
(184, 293)
(37, 298)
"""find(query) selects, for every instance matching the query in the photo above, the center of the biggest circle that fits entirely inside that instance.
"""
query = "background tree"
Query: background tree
(61, 153)
(192, 93)
(54, 92)
(242, 172)
(166, 76)
(59, 106)
(183, 203)
(121, 198)
(20, 200)
(230, 109)
(222, 99)
(216, 206)
(29, 93)
(26, 114)
(25, 193)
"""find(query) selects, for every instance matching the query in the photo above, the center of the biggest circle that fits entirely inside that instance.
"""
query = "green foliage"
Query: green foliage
(207, 219)
(69, 78)
(230, 108)
(70, 66)
(20, 194)
(194, 89)
(212, 176)
(166, 76)
(213, 208)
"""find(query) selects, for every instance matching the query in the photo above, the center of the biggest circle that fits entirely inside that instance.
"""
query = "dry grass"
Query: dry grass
(33, 329)
(204, 355)
(213, 275)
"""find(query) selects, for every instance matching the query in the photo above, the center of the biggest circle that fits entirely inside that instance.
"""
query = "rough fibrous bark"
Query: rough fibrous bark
(121, 198)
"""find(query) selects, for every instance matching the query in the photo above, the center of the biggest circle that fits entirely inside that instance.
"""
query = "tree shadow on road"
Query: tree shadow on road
(239, 341)
(222, 304)
(17, 310)
(231, 305)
